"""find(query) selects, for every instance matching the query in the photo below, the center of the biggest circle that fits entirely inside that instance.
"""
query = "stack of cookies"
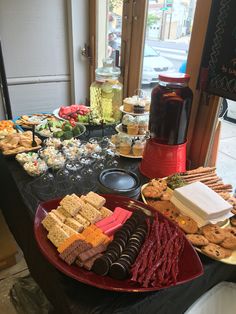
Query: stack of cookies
(214, 241)
(123, 250)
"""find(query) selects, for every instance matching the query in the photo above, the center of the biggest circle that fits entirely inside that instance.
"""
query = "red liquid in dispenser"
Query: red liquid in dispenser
(170, 109)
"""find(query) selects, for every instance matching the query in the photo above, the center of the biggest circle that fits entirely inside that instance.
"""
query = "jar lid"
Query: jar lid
(174, 77)
(107, 71)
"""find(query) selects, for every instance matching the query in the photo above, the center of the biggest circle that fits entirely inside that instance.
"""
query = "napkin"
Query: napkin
(199, 220)
(202, 201)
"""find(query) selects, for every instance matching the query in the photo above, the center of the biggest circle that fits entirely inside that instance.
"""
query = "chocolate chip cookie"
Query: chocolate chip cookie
(187, 224)
(213, 233)
(230, 240)
(215, 251)
(233, 221)
(197, 239)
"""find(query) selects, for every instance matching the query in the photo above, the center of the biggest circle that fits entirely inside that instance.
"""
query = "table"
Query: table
(18, 204)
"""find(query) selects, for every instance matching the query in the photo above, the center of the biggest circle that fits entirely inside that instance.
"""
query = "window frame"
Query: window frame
(205, 107)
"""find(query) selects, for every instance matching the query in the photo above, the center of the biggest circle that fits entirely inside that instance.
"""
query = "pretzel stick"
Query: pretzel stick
(199, 170)
(192, 177)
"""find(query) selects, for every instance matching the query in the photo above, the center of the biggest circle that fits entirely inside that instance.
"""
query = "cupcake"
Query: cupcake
(147, 102)
(125, 145)
(138, 148)
(139, 107)
(128, 104)
(127, 118)
(143, 126)
(132, 127)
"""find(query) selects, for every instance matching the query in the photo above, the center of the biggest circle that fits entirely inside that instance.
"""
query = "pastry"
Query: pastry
(197, 239)
(139, 107)
(127, 118)
(187, 224)
(215, 251)
(74, 224)
(138, 148)
(125, 145)
(132, 128)
(50, 220)
(213, 233)
(57, 235)
(128, 104)
(142, 126)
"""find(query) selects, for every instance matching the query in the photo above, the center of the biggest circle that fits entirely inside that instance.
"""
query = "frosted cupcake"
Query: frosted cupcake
(139, 107)
(125, 145)
(132, 128)
(127, 118)
(128, 104)
(138, 148)
(143, 126)
(147, 103)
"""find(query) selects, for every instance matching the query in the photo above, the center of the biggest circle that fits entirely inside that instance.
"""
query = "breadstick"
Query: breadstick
(199, 170)
(194, 176)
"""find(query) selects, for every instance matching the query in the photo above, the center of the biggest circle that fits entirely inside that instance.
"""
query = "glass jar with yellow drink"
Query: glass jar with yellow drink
(106, 93)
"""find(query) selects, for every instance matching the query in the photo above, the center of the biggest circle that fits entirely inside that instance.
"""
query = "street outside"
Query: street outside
(226, 160)
(174, 51)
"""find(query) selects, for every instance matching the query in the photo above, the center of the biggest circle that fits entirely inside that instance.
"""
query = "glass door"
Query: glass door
(109, 30)
(167, 38)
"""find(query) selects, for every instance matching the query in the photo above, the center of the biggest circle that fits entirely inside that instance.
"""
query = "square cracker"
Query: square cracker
(90, 213)
(50, 220)
(74, 224)
(95, 200)
(72, 204)
(57, 236)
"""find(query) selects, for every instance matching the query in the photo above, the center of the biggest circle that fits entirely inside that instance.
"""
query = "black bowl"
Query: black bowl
(119, 181)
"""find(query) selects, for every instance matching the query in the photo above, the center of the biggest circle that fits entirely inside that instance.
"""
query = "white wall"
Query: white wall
(34, 36)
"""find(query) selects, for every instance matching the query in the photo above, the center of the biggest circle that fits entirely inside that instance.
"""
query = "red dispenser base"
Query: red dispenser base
(161, 160)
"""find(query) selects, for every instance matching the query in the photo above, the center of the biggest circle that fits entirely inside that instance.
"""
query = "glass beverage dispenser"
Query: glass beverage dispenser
(106, 93)
(165, 151)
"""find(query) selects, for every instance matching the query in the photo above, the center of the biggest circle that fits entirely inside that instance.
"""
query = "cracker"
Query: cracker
(83, 221)
(105, 212)
(90, 213)
(57, 236)
(50, 220)
(72, 204)
(59, 215)
(74, 224)
(62, 211)
(95, 200)
(68, 230)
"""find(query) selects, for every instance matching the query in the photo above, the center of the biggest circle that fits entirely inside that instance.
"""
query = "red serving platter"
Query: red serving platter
(190, 265)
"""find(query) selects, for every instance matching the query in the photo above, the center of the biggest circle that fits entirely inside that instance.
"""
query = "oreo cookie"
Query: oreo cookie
(118, 271)
(101, 266)
(128, 257)
(112, 255)
(115, 246)
(123, 234)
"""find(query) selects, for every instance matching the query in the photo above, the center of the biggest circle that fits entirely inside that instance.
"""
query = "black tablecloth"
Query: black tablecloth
(19, 202)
